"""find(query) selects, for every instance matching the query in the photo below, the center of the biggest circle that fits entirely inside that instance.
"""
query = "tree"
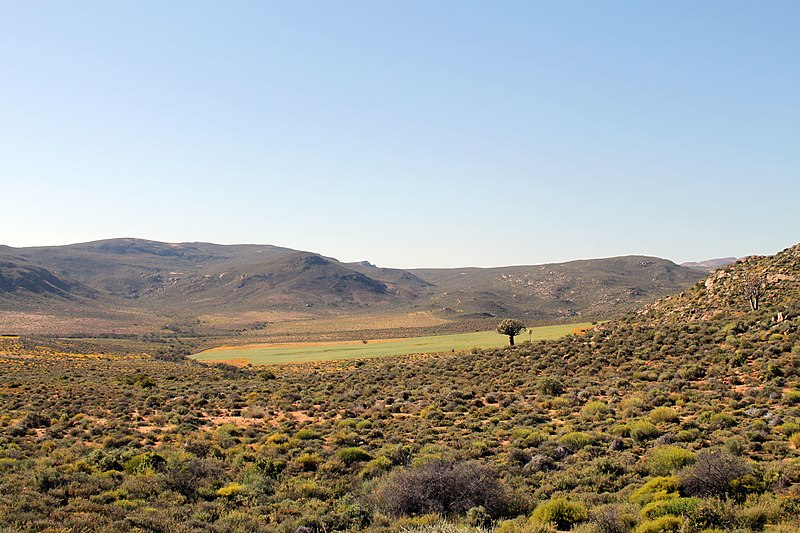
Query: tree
(510, 327)
(753, 288)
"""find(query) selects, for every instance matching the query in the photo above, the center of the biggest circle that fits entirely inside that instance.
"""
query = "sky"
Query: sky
(410, 134)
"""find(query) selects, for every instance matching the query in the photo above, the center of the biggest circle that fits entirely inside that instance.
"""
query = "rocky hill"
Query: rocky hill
(772, 282)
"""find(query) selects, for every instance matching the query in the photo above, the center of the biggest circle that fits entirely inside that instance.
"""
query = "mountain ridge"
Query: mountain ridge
(190, 279)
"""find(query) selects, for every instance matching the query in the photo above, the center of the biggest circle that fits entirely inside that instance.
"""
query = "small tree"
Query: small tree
(510, 327)
(753, 288)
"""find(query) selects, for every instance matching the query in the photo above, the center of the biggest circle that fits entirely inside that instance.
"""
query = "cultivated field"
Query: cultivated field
(259, 354)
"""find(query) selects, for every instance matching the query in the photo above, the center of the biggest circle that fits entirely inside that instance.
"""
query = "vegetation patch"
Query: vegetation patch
(292, 353)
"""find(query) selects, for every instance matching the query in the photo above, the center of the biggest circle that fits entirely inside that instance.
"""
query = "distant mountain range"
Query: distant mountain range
(710, 265)
(149, 278)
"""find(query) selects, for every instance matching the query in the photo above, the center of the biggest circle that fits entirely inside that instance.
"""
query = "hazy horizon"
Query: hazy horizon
(412, 134)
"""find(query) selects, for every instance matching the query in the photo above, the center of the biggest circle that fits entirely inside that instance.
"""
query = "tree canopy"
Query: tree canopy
(510, 327)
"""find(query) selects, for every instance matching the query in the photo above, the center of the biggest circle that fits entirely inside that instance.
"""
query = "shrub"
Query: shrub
(792, 397)
(712, 473)
(353, 455)
(660, 525)
(230, 490)
(613, 518)
(594, 409)
(376, 467)
(658, 488)
(665, 460)
(758, 511)
(663, 414)
(308, 462)
(643, 430)
(145, 461)
(306, 434)
(675, 507)
(561, 512)
(575, 440)
(442, 487)
(713, 514)
(523, 525)
(528, 437)
(551, 385)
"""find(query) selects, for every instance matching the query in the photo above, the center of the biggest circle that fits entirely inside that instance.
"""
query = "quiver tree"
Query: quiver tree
(753, 288)
(510, 327)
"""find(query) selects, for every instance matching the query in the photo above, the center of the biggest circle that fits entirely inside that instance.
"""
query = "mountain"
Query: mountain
(594, 288)
(190, 280)
(709, 265)
(130, 268)
(21, 280)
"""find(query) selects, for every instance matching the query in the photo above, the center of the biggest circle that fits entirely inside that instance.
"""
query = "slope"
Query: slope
(591, 289)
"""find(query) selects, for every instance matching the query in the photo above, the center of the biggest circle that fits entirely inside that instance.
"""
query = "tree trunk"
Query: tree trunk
(511, 340)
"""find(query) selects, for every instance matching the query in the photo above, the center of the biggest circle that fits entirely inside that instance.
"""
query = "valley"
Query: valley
(682, 414)
(256, 293)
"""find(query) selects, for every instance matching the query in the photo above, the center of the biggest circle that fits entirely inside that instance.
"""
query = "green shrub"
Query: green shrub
(523, 524)
(757, 511)
(792, 397)
(674, 507)
(145, 461)
(353, 455)
(307, 434)
(376, 467)
(310, 489)
(594, 409)
(575, 440)
(551, 385)
(666, 460)
(528, 437)
(658, 488)
(643, 430)
(660, 525)
(663, 414)
(561, 512)
(308, 462)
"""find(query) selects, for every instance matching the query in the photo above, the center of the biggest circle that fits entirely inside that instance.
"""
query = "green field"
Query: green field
(266, 354)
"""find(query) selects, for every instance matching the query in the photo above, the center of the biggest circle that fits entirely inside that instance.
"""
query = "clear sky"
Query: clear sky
(409, 133)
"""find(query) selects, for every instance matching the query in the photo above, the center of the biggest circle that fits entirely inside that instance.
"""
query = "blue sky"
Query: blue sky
(411, 133)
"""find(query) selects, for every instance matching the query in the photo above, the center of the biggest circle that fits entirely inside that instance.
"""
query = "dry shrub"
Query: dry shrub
(712, 473)
(441, 487)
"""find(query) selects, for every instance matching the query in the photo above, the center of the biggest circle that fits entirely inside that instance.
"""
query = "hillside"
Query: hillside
(664, 420)
(18, 278)
(725, 292)
(189, 280)
(592, 289)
